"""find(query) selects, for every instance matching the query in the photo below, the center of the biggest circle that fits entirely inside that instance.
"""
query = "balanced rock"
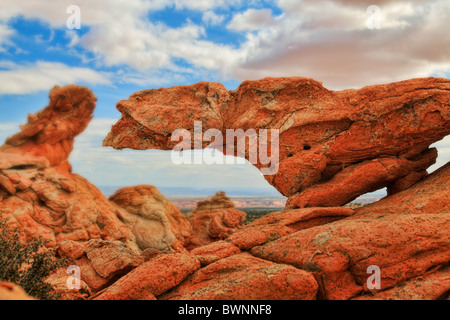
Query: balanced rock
(214, 219)
(340, 143)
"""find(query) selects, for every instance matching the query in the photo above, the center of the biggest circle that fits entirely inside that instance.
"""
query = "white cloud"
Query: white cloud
(7, 129)
(252, 19)
(203, 5)
(5, 33)
(443, 147)
(211, 18)
(323, 39)
(330, 41)
(24, 79)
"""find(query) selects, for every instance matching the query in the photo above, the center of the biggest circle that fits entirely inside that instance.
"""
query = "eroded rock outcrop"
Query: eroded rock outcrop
(214, 219)
(38, 192)
(333, 146)
(279, 224)
(152, 219)
(42, 197)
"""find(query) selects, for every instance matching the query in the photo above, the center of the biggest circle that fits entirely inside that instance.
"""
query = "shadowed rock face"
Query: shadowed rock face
(333, 146)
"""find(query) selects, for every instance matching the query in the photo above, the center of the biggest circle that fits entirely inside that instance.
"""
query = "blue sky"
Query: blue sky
(126, 46)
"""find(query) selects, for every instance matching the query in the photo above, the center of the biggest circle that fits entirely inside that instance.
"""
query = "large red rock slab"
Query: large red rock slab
(152, 278)
(321, 132)
(141, 128)
(365, 177)
(279, 224)
(244, 277)
(403, 246)
(428, 196)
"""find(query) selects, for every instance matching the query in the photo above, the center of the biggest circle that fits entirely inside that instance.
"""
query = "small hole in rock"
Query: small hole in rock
(306, 147)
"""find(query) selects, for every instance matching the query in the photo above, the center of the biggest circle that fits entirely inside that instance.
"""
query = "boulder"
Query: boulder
(432, 286)
(152, 278)
(405, 235)
(244, 277)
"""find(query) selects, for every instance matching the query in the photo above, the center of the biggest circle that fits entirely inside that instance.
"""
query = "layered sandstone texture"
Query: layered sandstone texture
(333, 145)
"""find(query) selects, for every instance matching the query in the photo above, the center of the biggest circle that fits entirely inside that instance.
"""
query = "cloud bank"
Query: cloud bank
(326, 40)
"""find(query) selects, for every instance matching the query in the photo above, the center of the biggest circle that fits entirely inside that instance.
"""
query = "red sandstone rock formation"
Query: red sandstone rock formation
(40, 195)
(122, 244)
(334, 146)
(214, 219)
(101, 262)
